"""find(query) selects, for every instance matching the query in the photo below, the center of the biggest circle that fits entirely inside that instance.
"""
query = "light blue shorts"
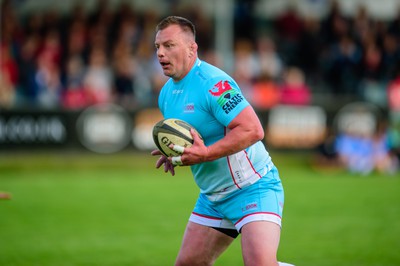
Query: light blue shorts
(261, 201)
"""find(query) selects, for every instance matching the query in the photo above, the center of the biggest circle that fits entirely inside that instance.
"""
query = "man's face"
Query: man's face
(174, 51)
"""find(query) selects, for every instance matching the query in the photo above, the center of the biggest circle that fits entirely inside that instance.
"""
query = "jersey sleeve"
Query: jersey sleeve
(225, 99)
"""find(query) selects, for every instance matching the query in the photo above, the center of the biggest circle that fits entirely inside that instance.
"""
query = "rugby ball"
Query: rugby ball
(172, 131)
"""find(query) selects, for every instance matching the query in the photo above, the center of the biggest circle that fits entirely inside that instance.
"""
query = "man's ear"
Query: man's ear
(193, 48)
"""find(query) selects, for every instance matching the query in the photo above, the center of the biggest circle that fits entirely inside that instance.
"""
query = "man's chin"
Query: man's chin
(167, 73)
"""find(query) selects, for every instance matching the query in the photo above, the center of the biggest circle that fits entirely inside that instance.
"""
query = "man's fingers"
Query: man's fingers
(195, 135)
(177, 160)
(156, 152)
(178, 148)
(168, 166)
(171, 169)
(160, 161)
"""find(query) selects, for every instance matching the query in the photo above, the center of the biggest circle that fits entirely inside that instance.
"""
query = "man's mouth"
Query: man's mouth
(165, 64)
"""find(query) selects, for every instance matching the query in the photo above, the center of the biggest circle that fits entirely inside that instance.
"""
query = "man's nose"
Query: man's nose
(160, 52)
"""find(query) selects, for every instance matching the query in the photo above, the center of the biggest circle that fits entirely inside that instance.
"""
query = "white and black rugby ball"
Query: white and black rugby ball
(172, 131)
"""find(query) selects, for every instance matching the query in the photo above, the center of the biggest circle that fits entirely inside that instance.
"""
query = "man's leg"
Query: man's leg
(201, 245)
(260, 241)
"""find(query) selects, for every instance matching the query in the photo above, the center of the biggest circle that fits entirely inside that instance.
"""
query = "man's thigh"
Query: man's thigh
(260, 241)
(202, 245)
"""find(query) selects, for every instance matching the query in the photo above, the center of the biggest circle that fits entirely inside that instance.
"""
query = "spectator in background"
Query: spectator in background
(97, 39)
(269, 62)
(10, 38)
(51, 46)
(310, 48)
(342, 66)
(8, 77)
(363, 148)
(385, 161)
(102, 17)
(362, 26)
(124, 71)
(11, 30)
(334, 25)
(76, 40)
(294, 90)
(128, 32)
(355, 152)
(326, 153)
(74, 94)
(98, 77)
(371, 67)
(371, 87)
(265, 93)
(390, 56)
(289, 26)
(6, 92)
(48, 73)
(149, 79)
(74, 60)
(124, 67)
(27, 90)
(393, 92)
(48, 82)
(394, 25)
(245, 65)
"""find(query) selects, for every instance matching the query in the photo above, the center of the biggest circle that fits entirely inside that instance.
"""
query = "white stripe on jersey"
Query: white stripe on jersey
(242, 170)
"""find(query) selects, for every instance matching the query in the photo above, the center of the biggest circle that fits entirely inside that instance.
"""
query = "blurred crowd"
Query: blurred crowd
(69, 61)
(72, 60)
(75, 60)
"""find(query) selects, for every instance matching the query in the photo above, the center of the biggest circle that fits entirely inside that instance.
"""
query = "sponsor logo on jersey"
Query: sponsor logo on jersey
(176, 91)
(189, 108)
(228, 97)
(250, 206)
(220, 88)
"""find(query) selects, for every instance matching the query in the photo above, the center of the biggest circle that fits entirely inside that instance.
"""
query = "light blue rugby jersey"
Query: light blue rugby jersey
(209, 99)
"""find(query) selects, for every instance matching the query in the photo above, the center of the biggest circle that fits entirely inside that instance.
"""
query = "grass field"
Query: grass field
(86, 209)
